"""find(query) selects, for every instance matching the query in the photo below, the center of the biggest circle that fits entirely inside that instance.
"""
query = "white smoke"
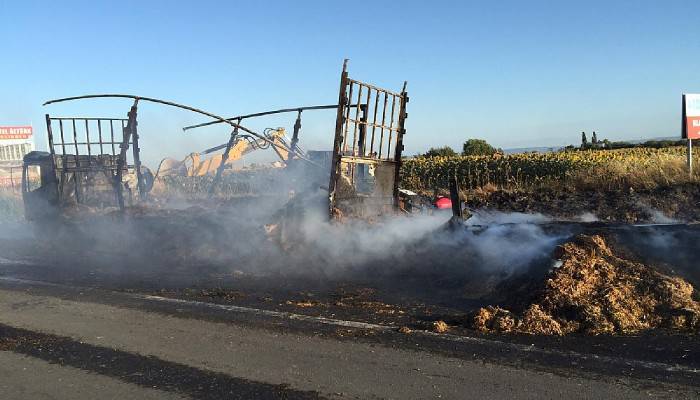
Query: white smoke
(510, 247)
(588, 217)
(493, 242)
(483, 217)
(658, 217)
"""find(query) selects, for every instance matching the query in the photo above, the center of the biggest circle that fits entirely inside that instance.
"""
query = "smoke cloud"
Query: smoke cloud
(186, 241)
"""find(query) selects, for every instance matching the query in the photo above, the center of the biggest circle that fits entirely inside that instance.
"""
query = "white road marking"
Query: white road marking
(364, 325)
(267, 313)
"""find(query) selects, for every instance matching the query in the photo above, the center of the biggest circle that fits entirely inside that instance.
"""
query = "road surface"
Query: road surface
(58, 342)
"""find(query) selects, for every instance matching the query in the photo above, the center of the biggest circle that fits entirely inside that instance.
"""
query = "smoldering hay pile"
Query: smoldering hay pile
(592, 290)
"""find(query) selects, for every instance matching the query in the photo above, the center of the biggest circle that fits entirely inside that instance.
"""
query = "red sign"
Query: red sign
(691, 116)
(15, 132)
(692, 128)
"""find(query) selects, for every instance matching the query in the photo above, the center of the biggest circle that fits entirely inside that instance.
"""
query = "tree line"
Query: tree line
(605, 144)
(480, 147)
(472, 147)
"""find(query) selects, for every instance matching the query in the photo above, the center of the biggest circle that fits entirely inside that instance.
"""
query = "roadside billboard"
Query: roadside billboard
(15, 132)
(691, 116)
(15, 142)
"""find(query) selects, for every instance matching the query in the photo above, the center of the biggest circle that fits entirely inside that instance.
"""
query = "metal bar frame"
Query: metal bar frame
(295, 136)
(137, 152)
(76, 156)
(389, 149)
(182, 106)
(403, 115)
(77, 170)
(338, 141)
(127, 133)
(264, 113)
(52, 152)
(224, 159)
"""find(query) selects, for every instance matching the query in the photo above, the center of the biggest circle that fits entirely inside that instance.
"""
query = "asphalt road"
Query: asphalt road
(25, 377)
(62, 343)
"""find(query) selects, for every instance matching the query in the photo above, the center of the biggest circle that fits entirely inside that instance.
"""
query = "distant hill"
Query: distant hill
(656, 138)
(517, 150)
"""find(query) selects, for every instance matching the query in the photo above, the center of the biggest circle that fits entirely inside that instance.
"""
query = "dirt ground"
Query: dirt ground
(663, 204)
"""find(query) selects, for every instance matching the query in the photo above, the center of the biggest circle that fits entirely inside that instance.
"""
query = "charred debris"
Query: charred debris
(93, 165)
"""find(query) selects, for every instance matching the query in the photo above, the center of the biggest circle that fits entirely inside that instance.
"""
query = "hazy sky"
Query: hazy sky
(520, 73)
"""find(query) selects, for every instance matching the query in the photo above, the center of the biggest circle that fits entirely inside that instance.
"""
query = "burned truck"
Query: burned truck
(362, 170)
(88, 165)
(95, 162)
(367, 149)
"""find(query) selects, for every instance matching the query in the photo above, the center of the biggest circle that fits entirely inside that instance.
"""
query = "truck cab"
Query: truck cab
(39, 186)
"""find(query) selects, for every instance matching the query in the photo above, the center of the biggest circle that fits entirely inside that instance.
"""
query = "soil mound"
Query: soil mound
(592, 290)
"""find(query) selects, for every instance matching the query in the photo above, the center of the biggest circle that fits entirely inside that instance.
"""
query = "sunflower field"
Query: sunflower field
(623, 167)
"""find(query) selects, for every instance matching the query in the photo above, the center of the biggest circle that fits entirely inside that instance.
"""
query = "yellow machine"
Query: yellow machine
(198, 164)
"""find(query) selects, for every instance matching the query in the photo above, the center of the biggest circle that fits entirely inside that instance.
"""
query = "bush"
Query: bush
(478, 147)
(445, 151)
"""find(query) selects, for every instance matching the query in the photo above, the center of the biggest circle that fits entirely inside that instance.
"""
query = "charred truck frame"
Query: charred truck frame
(367, 148)
(83, 171)
(83, 167)
(88, 170)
